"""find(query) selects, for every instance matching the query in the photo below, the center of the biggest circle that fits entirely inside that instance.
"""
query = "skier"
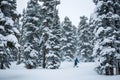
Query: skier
(76, 62)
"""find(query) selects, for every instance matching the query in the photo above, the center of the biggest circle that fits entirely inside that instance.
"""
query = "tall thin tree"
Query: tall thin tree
(8, 32)
(30, 30)
(50, 34)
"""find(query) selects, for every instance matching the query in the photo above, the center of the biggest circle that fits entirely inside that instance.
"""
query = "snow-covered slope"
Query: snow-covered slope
(85, 71)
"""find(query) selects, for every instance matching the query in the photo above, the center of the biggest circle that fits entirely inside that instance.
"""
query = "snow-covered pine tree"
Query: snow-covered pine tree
(50, 34)
(84, 40)
(8, 32)
(106, 20)
(75, 41)
(31, 34)
(53, 61)
(68, 40)
(18, 34)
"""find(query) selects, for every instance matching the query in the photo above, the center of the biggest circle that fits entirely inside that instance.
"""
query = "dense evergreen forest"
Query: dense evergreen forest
(38, 38)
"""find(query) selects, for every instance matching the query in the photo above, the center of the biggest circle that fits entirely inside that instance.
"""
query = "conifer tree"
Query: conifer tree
(106, 20)
(8, 32)
(31, 31)
(50, 34)
(84, 40)
(68, 40)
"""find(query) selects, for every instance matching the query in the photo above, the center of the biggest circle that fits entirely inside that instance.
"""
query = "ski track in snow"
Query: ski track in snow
(85, 71)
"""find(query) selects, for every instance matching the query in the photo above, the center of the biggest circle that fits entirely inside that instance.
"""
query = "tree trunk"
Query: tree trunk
(1, 67)
(44, 58)
(107, 70)
(111, 71)
(18, 57)
(118, 68)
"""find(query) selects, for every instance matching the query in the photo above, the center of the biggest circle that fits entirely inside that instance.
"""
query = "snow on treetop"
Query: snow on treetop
(4, 2)
(99, 4)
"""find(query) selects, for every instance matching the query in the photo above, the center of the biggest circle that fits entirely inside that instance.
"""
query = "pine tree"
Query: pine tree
(8, 32)
(68, 40)
(106, 20)
(84, 40)
(50, 34)
(31, 31)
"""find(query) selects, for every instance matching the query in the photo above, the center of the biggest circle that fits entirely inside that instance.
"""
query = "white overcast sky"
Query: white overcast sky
(71, 8)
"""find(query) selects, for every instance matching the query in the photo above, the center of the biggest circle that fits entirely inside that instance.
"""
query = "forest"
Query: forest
(37, 37)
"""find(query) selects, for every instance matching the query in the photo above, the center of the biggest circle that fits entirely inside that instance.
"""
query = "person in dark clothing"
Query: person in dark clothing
(76, 62)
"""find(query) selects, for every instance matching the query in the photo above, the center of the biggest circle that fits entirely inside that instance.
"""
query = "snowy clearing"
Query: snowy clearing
(85, 71)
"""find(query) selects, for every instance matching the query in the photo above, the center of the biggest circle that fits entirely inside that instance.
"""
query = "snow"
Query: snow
(28, 48)
(2, 28)
(51, 55)
(63, 39)
(15, 12)
(94, 15)
(12, 38)
(35, 18)
(33, 53)
(116, 16)
(107, 40)
(9, 21)
(85, 43)
(56, 46)
(1, 14)
(69, 44)
(85, 71)
(117, 56)
(16, 30)
(108, 50)
(1, 37)
(96, 47)
(100, 3)
(101, 30)
(47, 46)
(4, 2)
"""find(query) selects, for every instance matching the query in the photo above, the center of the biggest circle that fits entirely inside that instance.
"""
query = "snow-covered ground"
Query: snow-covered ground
(85, 71)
